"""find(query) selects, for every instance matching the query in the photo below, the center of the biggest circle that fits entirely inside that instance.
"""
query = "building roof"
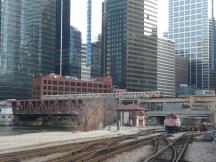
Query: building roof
(130, 107)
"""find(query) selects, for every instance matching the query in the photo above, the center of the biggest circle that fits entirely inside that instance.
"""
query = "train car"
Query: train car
(172, 123)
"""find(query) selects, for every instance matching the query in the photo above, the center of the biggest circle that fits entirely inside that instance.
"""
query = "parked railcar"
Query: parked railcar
(172, 123)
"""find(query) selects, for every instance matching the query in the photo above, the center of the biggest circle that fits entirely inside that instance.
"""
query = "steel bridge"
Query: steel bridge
(70, 103)
(200, 113)
(191, 99)
(123, 95)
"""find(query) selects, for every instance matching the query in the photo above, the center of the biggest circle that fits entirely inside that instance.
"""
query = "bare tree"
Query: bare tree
(110, 108)
(92, 113)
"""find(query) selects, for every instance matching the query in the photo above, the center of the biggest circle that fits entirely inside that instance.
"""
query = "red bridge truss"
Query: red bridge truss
(47, 107)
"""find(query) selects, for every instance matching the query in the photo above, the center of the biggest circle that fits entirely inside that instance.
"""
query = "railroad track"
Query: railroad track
(173, 151)
(105, 152)
(77, 151)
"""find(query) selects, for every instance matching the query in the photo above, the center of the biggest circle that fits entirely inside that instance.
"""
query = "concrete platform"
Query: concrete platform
(44, 139)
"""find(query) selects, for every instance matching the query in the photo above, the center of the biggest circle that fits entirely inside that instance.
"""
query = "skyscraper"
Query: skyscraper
(166, 67)
(189, 27)
(75, 53)
(85, 68)
(27, 44)
(96, 59)
(89, 26)
(130, 43)
(63, 11)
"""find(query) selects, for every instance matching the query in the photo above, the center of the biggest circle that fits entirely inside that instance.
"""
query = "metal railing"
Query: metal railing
(123, 95)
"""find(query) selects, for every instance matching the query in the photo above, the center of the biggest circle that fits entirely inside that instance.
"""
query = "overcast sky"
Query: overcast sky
(79, 17)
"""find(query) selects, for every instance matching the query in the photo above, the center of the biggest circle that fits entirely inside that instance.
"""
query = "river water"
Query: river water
(15, 130)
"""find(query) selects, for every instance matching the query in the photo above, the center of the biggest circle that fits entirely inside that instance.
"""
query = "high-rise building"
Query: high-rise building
(166, 67)
(189, 22)
(103, 41)
(0, 20)
(27, 44)
(89, 32)
(62, 36)
(130, 43)
(96, 59)
(181, 70)
(75, 53)
(85, 68)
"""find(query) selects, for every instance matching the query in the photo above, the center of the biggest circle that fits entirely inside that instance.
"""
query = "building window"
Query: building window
(45, 81)
(61, 82)
(54, 88)
(49, 81)
(55, 82)
(67, 83)
(78, 84)
(44, 87)
(73, 84)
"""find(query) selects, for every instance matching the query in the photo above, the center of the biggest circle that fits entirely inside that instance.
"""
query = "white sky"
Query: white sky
(79, 17)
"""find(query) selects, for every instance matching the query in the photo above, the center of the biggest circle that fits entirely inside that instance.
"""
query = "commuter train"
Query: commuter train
(172, 123)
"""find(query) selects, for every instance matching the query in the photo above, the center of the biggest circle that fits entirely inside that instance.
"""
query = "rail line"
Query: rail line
(177, 147)
(79, 150)
(100, 154)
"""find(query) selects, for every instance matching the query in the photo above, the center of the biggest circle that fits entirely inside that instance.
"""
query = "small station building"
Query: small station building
(131, 115)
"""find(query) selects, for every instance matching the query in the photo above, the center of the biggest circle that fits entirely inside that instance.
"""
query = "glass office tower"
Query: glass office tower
(65, 6)
(75, 53)
(27, 44)
(189, 27)
(130, 43)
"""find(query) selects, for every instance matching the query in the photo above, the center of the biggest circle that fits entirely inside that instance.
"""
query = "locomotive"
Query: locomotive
(172, 123)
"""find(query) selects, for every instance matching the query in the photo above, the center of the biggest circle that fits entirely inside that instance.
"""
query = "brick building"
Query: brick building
(53, 84)
(131, 115)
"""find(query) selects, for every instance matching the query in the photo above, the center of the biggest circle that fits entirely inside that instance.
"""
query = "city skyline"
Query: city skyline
(192, 27)
(79, 17)
(162, 16)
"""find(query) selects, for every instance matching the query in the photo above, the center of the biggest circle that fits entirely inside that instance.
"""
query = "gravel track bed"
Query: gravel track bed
(132, 156)
(201, 152)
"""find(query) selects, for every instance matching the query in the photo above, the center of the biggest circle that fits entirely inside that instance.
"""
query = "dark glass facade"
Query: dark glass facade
(74, 60)
(27, 44)
(65, 36)
(96, 59)
(130, 43)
